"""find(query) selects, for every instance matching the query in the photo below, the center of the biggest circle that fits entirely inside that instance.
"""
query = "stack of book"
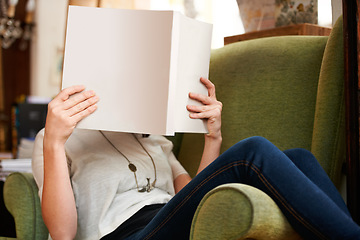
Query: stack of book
(8, 166)
(25, 148)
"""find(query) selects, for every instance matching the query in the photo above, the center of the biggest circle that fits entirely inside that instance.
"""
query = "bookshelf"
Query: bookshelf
(14, 80)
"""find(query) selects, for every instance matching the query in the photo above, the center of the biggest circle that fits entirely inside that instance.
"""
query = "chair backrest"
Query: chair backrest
(270, 87)
(329, 134)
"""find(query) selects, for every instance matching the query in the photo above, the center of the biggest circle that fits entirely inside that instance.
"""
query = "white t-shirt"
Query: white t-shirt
(104, 188)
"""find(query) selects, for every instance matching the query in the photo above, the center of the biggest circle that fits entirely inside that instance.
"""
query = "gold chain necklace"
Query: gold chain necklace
(148, 187)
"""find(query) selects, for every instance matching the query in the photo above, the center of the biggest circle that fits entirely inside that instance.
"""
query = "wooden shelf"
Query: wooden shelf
(299, 29)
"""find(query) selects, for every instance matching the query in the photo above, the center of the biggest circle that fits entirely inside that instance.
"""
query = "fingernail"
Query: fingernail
(93, 107)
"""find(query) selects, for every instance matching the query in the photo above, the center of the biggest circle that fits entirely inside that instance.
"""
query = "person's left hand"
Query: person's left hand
(211, 110)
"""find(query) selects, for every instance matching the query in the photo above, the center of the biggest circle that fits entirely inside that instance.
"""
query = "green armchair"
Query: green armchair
(287, 89)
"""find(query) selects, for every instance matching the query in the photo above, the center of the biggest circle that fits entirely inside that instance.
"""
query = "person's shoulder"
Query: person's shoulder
(39, 137)
(41, 133)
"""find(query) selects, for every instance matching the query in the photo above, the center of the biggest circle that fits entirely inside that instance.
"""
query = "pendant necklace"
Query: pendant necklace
(149, 186)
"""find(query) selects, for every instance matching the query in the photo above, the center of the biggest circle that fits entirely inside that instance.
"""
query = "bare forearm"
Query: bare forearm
(69, 107)
(58, 204)
(211, 151)
(211, 111)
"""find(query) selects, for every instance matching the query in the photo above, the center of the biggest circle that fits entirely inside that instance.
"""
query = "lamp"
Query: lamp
(11, 28)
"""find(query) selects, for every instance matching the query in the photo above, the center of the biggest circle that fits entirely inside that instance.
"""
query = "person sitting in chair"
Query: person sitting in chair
(112, 185)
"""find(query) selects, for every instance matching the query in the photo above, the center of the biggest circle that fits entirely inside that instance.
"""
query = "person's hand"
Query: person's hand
(69, 107)
(211, 110)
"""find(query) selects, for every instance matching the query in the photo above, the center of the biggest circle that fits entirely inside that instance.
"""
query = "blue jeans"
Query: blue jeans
(293, 179)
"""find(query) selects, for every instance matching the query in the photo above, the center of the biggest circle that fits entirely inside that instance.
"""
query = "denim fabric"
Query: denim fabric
(293, 179)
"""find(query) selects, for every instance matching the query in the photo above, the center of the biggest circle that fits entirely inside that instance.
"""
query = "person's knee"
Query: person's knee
(250, 148)
(257, 150)
(255, 145)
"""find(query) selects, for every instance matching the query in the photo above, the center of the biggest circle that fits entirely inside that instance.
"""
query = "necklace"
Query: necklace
(148, 187)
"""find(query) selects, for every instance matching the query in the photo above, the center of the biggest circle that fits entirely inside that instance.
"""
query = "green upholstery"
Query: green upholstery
(260, 219)
(299, 102)
(288, 89)
(22, 201)
(267, 89)
(328, 140)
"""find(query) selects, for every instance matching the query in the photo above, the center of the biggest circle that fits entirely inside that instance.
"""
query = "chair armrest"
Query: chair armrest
(239, 211)
(22, 200)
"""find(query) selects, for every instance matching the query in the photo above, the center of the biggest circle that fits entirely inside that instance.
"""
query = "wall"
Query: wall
(336, 9)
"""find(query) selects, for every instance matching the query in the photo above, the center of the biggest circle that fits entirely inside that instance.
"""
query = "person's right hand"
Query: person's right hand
(70, 106)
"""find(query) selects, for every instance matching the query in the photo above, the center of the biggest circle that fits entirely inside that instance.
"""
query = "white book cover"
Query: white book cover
(141, 63)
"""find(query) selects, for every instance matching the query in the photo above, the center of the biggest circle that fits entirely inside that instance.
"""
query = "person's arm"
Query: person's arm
(58, 203)
(211, 151)
(181, 181)
(211, 110)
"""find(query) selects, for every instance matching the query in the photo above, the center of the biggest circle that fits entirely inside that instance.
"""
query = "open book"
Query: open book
(141, 63)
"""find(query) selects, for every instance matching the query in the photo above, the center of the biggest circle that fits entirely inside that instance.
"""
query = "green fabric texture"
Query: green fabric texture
(238, 211)
(268, 87)
(329, 139)
(217, 202)
(22, 201)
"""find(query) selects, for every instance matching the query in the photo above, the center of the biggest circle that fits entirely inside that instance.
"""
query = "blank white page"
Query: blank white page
(193, 63)
(124, 56)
